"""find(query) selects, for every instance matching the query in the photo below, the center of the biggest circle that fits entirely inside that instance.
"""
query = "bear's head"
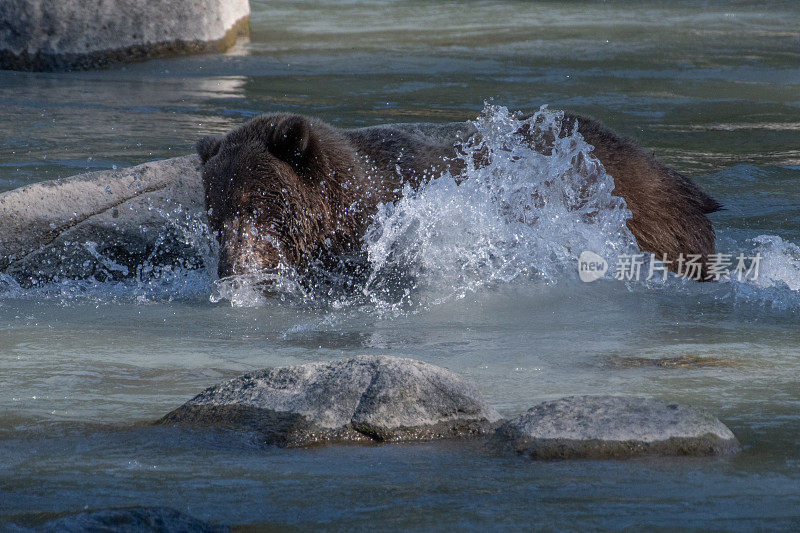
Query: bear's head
(277, 189)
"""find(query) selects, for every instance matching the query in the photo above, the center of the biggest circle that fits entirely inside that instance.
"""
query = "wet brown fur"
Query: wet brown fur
(669, 210)
(285, 188)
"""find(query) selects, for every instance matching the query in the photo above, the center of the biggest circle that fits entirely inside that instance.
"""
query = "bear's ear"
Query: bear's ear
(207, 147)
(292, 140)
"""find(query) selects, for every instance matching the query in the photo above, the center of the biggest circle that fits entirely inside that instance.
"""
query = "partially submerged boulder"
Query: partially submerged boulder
(599, 427)
(359, 400)
(105, 225)
(74, 34)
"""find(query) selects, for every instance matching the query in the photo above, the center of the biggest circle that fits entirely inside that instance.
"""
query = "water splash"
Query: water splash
(780, 263)
(259, 288)
(777, 283)
(532, 197)
(517, 213)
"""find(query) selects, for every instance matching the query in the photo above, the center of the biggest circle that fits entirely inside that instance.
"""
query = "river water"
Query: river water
(713, 88)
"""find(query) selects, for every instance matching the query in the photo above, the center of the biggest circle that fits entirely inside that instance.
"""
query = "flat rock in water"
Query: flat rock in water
(105, 225)
(599, 427)
(359, 400)
(76, 34)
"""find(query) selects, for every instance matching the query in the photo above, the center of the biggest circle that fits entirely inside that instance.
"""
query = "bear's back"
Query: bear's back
(669, 210)
(409, 153)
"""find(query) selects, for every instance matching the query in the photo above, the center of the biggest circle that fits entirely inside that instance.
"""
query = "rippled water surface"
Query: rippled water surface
(713, 88)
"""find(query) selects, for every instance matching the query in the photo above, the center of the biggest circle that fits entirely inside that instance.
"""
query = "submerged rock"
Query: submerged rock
(681, 361)
(73, 34)
(363, 399)
(105, 225)
(131, 520)
(599, 427)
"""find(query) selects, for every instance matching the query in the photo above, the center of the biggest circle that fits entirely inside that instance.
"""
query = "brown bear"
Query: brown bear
(285, 189)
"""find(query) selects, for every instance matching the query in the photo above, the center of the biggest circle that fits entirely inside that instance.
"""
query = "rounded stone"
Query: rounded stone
(615, 427)
(74, 34)
(360, 400)
(104, 225)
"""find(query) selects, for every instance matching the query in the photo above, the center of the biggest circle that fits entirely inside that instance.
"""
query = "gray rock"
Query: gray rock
(614, 427)
(105, 225)
(75, 34)
(359, 400)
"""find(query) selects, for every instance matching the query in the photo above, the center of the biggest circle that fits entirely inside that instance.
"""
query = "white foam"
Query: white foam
(780, 262)
(524, 215)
